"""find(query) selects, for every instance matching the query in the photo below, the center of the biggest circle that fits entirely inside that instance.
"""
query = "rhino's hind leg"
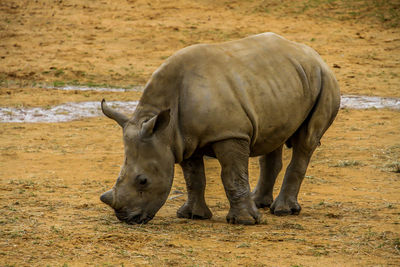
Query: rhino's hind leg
(270, 166)
(304, 142)
(195, 206)
(286, 202)
(233, 155)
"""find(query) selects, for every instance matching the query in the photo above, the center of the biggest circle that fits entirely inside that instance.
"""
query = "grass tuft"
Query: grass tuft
(348, 163)
(393, 167)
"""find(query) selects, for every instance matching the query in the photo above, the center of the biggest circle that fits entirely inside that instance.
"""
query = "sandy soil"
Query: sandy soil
(52, 174)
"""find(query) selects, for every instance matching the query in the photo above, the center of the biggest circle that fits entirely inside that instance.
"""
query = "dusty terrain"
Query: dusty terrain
(51, 174)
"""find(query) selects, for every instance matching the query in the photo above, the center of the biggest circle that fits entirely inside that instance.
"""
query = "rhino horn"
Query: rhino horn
(120, 118)
(107, 197)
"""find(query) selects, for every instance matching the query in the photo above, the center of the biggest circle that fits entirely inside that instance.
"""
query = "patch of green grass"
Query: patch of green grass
(17, 233)
(286, 225)
(393, 167)
(319, 252)
(22, 182)
(58, 83)
(314, 180)
(390, 206)
(348, 163)
(58, 72)
(333, 215)
(243, 245)
(396, 244)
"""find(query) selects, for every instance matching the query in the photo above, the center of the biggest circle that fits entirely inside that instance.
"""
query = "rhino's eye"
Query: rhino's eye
(141, 180)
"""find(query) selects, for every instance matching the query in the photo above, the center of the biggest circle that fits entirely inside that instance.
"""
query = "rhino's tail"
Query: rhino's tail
(289, 143)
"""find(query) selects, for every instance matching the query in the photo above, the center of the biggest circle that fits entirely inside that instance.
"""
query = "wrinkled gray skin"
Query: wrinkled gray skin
(231, 101)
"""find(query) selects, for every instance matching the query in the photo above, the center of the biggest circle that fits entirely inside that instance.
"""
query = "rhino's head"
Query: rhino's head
(146, 176)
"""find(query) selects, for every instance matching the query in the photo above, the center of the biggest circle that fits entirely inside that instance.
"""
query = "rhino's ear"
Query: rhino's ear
(155, 124)
(120, 118)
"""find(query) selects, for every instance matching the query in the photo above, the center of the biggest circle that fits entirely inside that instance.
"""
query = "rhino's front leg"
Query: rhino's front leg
(195, 206)
(233, 156)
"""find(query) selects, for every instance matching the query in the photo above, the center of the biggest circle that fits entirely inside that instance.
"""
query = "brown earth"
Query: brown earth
(53, 173)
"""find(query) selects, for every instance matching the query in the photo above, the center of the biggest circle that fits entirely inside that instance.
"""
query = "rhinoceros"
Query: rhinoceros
(234, 100)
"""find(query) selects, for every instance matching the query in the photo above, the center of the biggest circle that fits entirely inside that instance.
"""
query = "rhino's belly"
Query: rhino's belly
(276, 127)
(268, 142)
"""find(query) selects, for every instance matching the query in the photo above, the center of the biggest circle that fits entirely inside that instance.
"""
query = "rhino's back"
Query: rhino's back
(259, 88)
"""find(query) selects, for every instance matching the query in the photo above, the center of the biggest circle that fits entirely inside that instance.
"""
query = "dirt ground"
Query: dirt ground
(52, 174)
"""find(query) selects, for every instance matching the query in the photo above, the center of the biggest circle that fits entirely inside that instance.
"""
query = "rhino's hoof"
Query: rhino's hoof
(244, 216)
(243, 220)
(192, 212)
(262, 201)
(283, 208)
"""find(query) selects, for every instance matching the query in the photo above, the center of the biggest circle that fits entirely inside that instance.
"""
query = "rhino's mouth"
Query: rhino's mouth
(135, 217)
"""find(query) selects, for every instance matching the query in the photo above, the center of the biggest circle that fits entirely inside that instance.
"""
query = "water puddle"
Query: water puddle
(96, 89)
(62, 113)
(366, 102)
(75, 111)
